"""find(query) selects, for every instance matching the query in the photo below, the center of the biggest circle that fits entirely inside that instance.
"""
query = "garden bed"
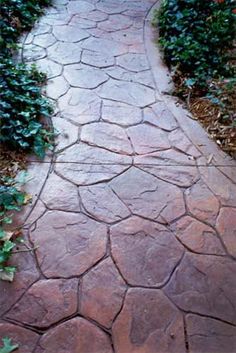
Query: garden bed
(197, 39)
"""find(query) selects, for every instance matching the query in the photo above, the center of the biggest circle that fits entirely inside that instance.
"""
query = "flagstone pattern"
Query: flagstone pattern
(134, 225)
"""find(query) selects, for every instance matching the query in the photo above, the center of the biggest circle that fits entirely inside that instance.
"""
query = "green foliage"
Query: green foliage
(21, 107)
(8, 347)
(15, 17)
(195, 36)
(11, 199)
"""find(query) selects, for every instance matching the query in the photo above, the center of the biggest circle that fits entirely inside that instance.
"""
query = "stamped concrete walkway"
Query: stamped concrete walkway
(134, 214)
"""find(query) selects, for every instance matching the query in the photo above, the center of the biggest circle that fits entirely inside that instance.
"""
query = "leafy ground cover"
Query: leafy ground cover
(197, 38)
(22, 119)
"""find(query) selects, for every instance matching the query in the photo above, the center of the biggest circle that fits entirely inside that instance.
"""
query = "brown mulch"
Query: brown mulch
(219, 128)
(11, 162)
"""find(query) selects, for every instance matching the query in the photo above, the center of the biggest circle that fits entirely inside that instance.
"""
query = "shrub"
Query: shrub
(195, 36)
(22, 105)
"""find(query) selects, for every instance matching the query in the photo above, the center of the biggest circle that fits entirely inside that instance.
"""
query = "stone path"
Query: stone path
(135, 219)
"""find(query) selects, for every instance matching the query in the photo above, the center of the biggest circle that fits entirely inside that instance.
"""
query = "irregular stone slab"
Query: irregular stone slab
(80, 105)
(209, 335)
(133, 62)
(56, 87)
(44, 40)
(104, 46)
(184, 176)
(65, 53)
(148, 323)
(83, 76)
(139, 247)
(132, 36)
(55, 19)
(202, 203)
(40, 28)
(25, 276)
(69, 34)
(82, 23)
(75, 335)
(49, 301)
(51, 68)
(159, 115)
(78, 7)
(197, 236)
(109, 136)
(179, 140)
(111, 8)
(143, 77)
(127, 92)
(168, 158)
(26, 339)
(115, 23)
(226, 226)
(147, 196)
(102, 203)
(59, 194)
(33, 52)
(66, 133)
(76, 242)
(102, 291)
(218, 183)
(147, 138)
(97, 16)
(96, 59)
(88, 164)
(205, 285)
(120, 113)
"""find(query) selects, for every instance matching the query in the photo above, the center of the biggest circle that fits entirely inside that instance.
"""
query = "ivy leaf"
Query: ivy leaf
(7, 346)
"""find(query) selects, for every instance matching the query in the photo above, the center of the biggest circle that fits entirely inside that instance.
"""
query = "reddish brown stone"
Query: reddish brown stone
(25, 339)
(56, 87)
(148, 323)
(53, 194)
(80, 105)
(159, 115)
(179, 141)
(202, 203)
(139, 247)
(120, 113)
(64, 53)
(102, 291)
(84, 76)
(75, 336)
(115, 23)
(148, 196)
(68, 243)
(146, 138)
(197, 236)
(127, 92)
(218, 183)
(69, 34)
(226, 226)
(205, 285)
(109, 136)
(46, 302)
(209, 335)
(102, 203)
(133, 62)
(105, 46)
(66, 133)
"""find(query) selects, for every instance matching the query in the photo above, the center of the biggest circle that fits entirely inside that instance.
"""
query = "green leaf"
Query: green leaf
(7, 346)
